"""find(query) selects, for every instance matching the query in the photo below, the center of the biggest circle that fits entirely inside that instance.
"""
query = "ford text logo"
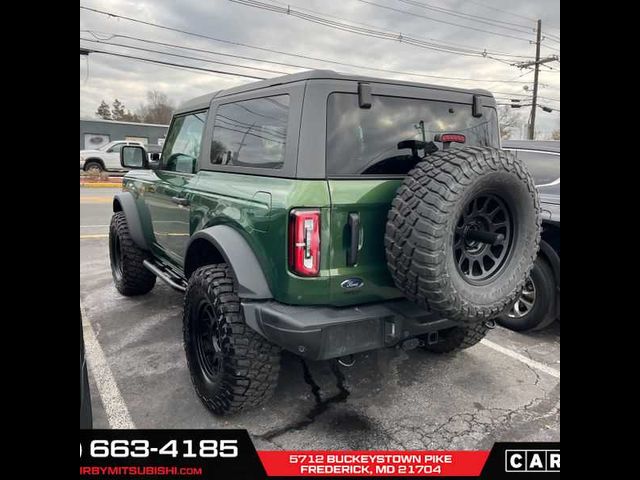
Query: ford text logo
(352, 283)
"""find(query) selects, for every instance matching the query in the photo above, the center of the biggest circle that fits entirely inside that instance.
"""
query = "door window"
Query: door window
(182, 146)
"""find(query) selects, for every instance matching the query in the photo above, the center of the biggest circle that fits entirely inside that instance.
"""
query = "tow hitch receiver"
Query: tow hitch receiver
(433, 338)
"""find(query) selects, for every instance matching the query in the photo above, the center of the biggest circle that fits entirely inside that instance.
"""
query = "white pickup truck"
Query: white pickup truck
(106, 157)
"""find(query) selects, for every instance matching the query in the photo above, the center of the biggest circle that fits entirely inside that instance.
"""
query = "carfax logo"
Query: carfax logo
(532, 460)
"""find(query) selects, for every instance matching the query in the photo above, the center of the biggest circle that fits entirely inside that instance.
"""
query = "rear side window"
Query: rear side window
(365, 141)
(252, 133)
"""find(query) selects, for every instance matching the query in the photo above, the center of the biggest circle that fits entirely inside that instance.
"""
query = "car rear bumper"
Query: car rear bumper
(321, 333)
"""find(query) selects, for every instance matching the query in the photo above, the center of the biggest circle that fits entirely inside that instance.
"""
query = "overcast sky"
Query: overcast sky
(108, 77)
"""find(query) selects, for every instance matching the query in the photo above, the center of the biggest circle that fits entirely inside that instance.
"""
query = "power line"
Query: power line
(256, 4)
(191, 67)
(444, 42)
(468, 16)
(503, 11)
(181, 56)
(143, 22)
(280, 52)
(381, 34)
(172, 45)
(525, 95)
(551, 48)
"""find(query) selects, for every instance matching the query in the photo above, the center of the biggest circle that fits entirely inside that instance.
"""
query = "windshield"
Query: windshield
(365, 141)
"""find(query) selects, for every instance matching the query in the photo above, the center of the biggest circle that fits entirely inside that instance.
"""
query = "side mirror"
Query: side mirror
(133, 156)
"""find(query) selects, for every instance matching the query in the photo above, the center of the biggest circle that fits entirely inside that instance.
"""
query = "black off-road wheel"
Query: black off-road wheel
(129, 274)
(232, 367)
(463, 233)
(535, 309)
(457, 338)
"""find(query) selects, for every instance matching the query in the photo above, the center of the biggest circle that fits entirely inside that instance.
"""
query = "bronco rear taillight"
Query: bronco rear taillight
(304, 242)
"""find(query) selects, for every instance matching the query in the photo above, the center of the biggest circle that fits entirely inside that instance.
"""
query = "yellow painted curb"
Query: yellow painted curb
(101, 185)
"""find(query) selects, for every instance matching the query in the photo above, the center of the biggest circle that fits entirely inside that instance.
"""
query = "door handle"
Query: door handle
(354, 228)
(183, 202)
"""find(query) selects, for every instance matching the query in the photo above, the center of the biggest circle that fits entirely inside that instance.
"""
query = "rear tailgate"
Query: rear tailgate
(365, 167)
(367, 280)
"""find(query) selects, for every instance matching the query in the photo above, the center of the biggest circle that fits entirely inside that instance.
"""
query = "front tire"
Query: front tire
(232, 367)
(129, 274)
(535, 309)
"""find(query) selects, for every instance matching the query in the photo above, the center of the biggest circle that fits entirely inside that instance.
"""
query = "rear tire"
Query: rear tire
(232, 367)
(539, 302)
(129, 274)
(457, 338)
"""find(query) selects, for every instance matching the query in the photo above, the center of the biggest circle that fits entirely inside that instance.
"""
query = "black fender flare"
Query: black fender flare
(126, 203)
(238, 254)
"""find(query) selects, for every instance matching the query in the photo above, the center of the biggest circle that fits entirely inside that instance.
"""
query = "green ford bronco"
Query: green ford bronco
(327, 215)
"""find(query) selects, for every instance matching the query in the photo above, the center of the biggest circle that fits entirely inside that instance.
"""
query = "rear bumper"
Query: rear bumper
(321, 333)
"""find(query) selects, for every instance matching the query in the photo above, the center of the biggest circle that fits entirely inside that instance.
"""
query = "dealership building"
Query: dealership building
(95, 133)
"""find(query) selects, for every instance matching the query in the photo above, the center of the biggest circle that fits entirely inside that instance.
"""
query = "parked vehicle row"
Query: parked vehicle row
(539, 304)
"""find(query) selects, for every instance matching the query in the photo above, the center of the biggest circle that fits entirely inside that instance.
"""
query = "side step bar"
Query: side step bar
(164, 274)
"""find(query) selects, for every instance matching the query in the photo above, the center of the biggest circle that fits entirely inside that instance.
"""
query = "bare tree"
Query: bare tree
(158, 108)
(555, 135)
(508, 120)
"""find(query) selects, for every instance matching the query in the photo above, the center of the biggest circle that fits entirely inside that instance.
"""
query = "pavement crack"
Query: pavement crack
(537, 375)
(320, 406)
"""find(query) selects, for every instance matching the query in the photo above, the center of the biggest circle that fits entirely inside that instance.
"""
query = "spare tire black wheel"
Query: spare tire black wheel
(463, 232)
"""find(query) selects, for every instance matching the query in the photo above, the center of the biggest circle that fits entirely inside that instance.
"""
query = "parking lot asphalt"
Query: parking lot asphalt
(506, 388)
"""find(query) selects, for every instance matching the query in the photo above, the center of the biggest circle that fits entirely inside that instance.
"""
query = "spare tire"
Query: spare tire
(463, 232)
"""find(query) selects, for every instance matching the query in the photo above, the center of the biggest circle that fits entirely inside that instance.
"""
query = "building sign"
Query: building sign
(93, 141)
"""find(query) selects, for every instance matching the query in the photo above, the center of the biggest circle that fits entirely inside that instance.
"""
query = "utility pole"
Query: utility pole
(536, 63)
(532, 123)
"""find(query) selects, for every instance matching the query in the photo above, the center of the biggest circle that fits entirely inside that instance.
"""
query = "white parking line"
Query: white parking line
(117, 412)
(92, 226)
(96, 235)
(521, 358)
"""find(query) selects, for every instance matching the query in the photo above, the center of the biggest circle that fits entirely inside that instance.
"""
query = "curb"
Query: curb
(101, 185)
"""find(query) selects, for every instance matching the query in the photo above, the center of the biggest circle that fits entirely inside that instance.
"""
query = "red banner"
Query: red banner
(373, 463)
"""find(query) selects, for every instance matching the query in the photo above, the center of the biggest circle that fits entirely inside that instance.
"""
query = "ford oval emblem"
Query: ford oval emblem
(352, 283)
